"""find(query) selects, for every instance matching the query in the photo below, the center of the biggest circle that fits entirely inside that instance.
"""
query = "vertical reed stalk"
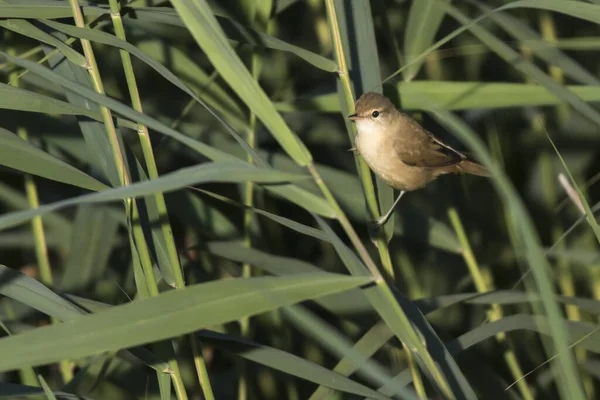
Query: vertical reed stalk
(411, 335)
(130, 205)
(159, 199)
(28, 375)
(566, 281)
(364, 172)
(495, 312)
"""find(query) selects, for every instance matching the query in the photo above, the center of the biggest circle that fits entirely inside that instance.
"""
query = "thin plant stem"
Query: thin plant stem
(565, 280)
(159, 199)
(147, 151)
(247, 227)
(373, 207)
(364, 172)
(130, 205)
(414, 371)
(40, 246)
(495, 312)
(409, 333)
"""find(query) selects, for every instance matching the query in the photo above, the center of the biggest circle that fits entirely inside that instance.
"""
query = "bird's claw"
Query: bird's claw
(378, 223)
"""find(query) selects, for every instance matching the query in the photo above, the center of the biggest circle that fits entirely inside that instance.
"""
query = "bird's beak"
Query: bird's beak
(353, 117)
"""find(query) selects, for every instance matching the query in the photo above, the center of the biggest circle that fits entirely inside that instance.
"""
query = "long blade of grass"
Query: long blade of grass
(302, 198)
(582, 331)
(338, 344)
(354, 302)
(33, 293)
(510, 56)
(528, 245)
(14, 390)
(105, 38)
(23, 156)
(367, 345)
(209, 172)
(286, 362)
(591, 218)
(346, 188)
(237, 32)
(34, 9)
(546, 51)
(26, 28)
(13, 98)
(169, 314)
(438, 365)
(457, 96)
(202, 24)
(93, 131)
(349, 303)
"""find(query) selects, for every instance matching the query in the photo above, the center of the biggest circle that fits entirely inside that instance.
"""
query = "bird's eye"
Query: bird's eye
(375, 114)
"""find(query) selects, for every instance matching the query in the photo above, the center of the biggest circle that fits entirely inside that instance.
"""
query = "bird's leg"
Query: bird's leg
(384, 218)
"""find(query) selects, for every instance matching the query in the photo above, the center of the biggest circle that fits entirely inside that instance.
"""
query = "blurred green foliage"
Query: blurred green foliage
(235, 110)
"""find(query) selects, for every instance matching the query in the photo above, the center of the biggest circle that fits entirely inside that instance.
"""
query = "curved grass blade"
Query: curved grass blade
(13, 98)
(346, 189)
(93, 131)
(237, 32)
(409, 326)
(207, 87)
(457, 96)
(544, 50)
(57, 223)
(21, 155)
(286, 362)
(120, 108)
(423, 22)
(367, 345)
(26, 28)
(14, 390)
(581, 332)
(200, 21)
(302, 198)
(349, 303)
(34, 9)
(29, 291)
(105, 38)
(591, 218)
(586, 11)
(577, 9)
(501, 297)
(296, 226)
(529, 245)
(209, 172)
(337, 343)
(169, 314)
(510, 56)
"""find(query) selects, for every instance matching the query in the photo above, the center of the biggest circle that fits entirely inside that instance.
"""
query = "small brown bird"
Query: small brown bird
(402, 152)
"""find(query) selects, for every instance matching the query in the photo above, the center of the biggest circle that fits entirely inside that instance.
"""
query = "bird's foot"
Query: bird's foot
(378, 223)
(353, 149)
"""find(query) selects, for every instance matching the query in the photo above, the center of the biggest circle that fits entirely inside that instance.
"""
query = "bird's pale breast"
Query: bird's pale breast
(378, 151)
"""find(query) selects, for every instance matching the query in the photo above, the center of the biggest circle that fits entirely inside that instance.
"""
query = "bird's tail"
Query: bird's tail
(471, 167)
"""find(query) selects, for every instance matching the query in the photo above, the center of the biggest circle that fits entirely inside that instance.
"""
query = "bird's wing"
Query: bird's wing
(425, 150)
